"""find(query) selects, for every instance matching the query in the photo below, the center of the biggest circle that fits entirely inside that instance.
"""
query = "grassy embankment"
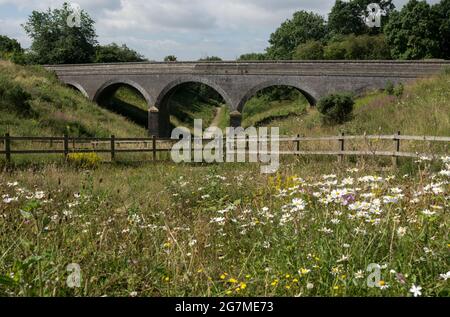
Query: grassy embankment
(34, 103)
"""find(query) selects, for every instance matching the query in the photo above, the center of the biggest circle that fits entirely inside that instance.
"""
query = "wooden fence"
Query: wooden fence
(69, 145)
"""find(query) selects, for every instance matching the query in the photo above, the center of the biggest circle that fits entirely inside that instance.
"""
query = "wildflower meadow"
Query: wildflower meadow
(321, 229)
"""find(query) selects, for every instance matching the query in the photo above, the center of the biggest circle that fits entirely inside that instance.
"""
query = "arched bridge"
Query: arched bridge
(237, 82)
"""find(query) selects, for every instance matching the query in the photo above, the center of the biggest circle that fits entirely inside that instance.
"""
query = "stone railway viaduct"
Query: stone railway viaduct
(237, 82)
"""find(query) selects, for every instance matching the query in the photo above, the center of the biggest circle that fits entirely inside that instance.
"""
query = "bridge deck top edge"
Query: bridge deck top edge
(268, 62)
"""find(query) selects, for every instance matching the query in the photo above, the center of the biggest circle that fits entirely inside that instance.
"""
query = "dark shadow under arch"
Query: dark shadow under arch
(174, 84)
(106, 98)
(113, 85)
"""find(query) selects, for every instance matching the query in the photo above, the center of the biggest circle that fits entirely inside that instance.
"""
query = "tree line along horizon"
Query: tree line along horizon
(417, 31)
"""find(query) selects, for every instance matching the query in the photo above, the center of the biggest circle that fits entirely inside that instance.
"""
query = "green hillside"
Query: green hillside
(424, 109)
(34, 103)
(262, 110)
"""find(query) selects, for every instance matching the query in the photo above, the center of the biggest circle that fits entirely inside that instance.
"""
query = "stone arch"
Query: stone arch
(159, 116)
(78, 87)
(113, 84)
(174, 84)
(306, 91)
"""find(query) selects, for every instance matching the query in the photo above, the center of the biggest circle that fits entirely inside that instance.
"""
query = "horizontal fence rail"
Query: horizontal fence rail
(150, 145)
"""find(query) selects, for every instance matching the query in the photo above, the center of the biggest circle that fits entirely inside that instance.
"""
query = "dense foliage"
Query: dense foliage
(414, 32)
(170, 58)
(348, 17)
(336, 108)
(419, 30)
(114, 53)
(303, 27)
(55, 42)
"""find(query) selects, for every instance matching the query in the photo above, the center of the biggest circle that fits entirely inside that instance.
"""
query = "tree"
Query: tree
(349, 17)
(413, 33)
(114, 53)
(336, 108)
(56, 42)
(253, 57)
(8, 45)
(170, 58)
(345, 18)
(11, 50)
(311, 50)
(210, 59)
(442, 10)
(363, 47)
(303, 27)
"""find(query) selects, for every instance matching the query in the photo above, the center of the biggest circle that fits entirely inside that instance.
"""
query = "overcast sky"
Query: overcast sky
(189, 29)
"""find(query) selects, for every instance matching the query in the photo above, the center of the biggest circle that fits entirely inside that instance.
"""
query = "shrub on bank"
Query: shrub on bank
(336, 108)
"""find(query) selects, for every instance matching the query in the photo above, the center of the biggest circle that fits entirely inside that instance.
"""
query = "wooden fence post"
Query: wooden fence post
(342, 147)
(66, 146)
(113, 148)
(154, 147)
(8, 148)
(397, 149)
(298, 144)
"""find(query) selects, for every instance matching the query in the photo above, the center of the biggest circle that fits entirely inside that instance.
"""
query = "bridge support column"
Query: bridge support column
(153, 122)
(235, 119)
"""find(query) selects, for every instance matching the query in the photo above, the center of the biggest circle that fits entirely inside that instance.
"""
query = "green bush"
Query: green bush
(389, 88)
(393, 90)
(364, 47)
(398, 91)
(312, 50)
(14, 98)
(336, 108)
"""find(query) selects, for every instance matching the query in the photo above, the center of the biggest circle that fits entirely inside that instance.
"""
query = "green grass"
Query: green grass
(260, 111)
(424, 109)
(224, 118)
(131, 96)
(220, 230)
(53, 108)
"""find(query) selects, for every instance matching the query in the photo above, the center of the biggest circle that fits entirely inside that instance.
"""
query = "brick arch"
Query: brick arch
(78, 87)
(306, 91)
(115, 83)
(169, 88)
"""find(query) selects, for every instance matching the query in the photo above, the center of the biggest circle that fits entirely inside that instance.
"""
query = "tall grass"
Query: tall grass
(54, 109)
(223, 230)
(424, 109)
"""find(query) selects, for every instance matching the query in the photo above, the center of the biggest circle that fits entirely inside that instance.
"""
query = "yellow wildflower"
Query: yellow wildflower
(232, 281)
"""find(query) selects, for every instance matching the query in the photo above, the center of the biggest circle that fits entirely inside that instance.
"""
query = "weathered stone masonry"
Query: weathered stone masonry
(237, 82)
